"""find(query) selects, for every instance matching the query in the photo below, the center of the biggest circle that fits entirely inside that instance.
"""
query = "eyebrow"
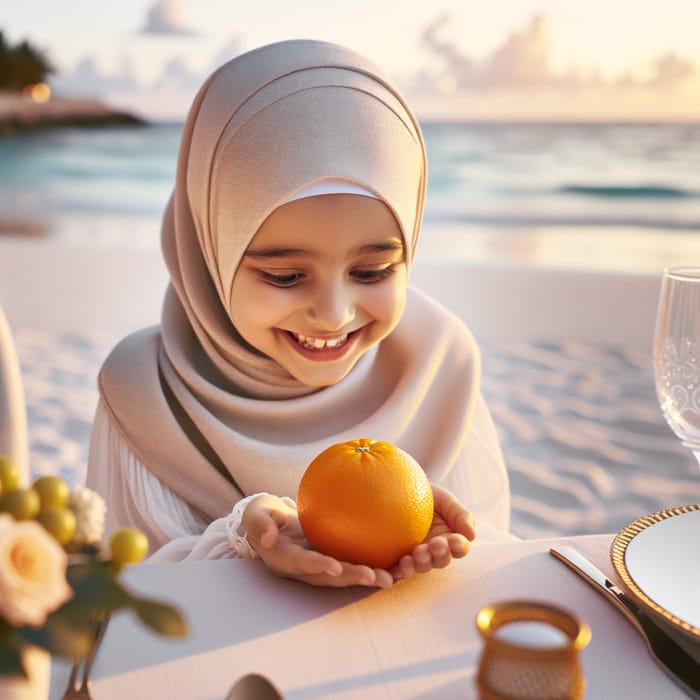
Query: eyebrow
(270, 253)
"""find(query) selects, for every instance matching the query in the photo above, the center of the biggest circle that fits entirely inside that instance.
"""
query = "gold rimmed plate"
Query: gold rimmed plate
(658, 558)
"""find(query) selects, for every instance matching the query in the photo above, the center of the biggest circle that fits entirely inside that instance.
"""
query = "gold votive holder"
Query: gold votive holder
(531, 652)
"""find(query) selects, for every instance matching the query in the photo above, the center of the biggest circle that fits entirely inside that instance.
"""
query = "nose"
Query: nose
(332, 307)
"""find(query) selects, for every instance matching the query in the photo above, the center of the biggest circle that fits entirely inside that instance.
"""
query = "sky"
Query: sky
(465, 59)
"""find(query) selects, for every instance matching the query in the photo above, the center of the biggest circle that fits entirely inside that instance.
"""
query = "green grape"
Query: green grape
(22, 504)
(52, 490)
(60, 522)
(9, 474)
(128, 545)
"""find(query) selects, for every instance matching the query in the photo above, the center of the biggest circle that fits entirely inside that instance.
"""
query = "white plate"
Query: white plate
(658, 558)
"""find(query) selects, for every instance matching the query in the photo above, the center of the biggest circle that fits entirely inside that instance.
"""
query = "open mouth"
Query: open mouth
(320, 344)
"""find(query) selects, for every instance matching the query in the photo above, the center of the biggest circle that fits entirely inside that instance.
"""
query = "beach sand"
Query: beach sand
(566, 367)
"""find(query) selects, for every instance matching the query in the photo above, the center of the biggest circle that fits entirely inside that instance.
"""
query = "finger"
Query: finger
(457, 516)
(422, 558)
(383, 579)
(291, 559)
(352, 575)
(459, 545)
(264, 527)
(265, 518)
(465, 524)
(268, 537)
(316, 563)
(440, 552)
(404, 568)
(361, 575)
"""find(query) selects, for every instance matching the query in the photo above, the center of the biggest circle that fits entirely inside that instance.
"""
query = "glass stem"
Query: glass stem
(696, 454)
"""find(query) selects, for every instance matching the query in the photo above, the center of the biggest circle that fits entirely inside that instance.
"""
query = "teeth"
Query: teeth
(311, 343)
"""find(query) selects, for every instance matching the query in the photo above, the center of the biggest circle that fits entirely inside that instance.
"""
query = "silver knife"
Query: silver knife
(668, 654)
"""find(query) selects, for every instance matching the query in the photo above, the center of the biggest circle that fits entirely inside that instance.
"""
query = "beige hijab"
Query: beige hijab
(214, 420)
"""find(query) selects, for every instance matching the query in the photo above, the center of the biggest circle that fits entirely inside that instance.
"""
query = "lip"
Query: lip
(327, 355)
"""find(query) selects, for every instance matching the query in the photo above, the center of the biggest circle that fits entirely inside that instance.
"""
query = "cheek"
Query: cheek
(251, 300)
(388, 301)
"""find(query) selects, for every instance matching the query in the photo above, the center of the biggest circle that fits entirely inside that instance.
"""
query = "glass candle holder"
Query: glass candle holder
(531, 652)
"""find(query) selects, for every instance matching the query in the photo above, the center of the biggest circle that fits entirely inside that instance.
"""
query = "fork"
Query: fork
(80, 689)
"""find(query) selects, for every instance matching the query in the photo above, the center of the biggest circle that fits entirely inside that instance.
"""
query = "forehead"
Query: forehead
(340, 220)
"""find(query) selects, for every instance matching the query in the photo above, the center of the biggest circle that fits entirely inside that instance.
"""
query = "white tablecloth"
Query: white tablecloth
(415, 640)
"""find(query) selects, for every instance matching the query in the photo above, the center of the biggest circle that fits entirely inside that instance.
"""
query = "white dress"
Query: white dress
(177, 532)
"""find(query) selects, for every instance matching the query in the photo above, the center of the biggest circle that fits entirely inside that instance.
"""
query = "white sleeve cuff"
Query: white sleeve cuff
(236, 535)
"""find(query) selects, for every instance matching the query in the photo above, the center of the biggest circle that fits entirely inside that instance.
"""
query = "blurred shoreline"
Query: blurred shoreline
(621, 248)
(605, 196)
(19, 114)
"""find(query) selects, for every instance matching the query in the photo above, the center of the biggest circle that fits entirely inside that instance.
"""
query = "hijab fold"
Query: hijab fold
(213, 419)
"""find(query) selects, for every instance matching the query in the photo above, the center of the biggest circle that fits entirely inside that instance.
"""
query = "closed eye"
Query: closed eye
(282, 280)
(368, 276)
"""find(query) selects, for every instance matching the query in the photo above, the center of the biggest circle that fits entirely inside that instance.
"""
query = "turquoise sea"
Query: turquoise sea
(490, 176)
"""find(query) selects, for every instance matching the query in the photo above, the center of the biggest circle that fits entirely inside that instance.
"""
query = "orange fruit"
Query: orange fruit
(365, 502)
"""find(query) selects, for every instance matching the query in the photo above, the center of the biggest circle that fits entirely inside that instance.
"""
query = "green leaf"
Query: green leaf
(60, 637)
(164, 619)
(95, 587)
(10, 659)
(69, 631)
(6, 630)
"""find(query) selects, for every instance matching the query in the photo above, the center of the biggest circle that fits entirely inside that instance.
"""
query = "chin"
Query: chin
(321, 383)
(321, 380)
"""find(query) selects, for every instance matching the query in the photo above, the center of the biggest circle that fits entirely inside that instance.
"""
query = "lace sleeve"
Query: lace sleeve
(134, 496)
(236, 535)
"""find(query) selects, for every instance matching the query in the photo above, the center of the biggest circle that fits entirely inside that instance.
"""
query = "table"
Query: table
(415, 640)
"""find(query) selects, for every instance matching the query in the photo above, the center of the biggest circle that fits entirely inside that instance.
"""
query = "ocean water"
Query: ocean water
(491, 176)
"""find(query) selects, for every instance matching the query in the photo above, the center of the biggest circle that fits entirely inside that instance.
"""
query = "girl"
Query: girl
(289, 326)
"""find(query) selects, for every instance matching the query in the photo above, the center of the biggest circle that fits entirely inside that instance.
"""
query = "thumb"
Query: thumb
(265, 525)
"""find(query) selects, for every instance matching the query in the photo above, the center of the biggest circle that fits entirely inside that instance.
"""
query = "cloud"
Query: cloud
(671, 71)
(176, 76)
(523, 62)
(517, 80)
(523, 59)
(167, 95)
(88, 80)
(229, 50)
(167, 17)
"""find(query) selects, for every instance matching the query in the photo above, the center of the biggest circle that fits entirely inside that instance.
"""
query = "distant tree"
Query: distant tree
(21, 65)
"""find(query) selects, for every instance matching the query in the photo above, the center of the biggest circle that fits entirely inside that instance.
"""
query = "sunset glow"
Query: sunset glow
(552, 59)
(37, 92)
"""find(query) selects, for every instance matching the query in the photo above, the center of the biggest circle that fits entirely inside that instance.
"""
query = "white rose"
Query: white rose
(90, 510)
(32, 572)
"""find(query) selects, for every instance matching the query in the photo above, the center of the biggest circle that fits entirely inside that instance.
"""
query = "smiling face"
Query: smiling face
(323, 280)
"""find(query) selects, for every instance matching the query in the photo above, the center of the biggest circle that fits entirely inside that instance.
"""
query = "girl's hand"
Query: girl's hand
(274, 532)
(449, 537)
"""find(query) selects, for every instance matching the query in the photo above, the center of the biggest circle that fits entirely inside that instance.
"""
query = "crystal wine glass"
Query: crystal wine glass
(677, 354)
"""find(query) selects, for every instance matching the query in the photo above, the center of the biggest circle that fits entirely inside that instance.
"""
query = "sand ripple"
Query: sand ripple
(583, 436)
